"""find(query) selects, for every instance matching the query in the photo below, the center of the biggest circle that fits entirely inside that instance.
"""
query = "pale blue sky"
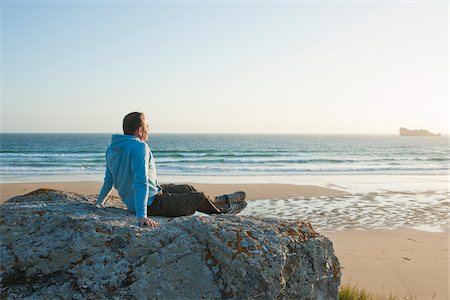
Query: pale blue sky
(241, 67)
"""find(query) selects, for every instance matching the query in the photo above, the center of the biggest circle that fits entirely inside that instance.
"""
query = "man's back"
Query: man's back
(127, 168)
(118, 161)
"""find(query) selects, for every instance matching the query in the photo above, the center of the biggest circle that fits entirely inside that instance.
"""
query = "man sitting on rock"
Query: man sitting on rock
(131, 169)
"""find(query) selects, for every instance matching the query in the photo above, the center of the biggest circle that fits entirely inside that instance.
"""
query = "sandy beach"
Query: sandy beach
(404, 262)
(253, 191)
(401, 261)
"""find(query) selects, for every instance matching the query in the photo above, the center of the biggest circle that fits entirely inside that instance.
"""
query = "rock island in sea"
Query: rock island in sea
(419, 132)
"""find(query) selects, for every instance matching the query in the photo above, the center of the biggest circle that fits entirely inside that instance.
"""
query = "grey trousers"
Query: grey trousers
(177, 200)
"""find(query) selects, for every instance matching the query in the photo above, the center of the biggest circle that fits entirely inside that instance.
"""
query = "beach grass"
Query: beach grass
(353, 292)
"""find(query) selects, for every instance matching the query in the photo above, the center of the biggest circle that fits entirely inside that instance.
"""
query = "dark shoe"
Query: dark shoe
(231, 198)
(235, 207)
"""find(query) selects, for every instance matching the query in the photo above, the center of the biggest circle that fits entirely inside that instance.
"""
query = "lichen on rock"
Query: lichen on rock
(58, 244)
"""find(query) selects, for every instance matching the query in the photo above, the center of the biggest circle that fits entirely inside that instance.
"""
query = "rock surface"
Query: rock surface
(420, 132)
(55, 244)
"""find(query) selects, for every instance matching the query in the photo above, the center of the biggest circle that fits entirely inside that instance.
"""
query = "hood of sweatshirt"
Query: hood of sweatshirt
(120, 141)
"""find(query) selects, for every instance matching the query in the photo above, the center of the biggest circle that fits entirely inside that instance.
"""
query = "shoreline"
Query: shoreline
(254, 190)
(401, 261)
(351, 183)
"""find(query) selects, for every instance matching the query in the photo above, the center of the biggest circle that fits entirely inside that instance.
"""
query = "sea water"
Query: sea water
(35, 155)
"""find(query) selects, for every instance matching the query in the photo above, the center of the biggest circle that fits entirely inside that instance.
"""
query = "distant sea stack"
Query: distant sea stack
(421, 132)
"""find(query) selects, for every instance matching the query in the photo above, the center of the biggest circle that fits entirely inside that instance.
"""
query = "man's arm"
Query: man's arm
(139, 167)
(106, 188)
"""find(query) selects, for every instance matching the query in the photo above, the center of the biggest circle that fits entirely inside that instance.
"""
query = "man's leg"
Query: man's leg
(218, 201)
(181, 204)
(177, 188)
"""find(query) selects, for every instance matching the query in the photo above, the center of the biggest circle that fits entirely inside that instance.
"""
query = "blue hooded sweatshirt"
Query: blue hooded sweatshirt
(131, 168)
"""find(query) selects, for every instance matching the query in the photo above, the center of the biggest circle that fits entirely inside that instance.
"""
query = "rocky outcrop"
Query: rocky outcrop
(55, 244)
(420, 132)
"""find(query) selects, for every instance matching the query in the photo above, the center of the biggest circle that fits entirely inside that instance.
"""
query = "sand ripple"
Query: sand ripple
(428, 210)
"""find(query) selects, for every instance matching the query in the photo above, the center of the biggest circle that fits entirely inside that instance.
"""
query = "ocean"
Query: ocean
(230, 155)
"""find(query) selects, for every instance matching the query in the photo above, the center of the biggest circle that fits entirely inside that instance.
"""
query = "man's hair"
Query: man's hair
(132, 122)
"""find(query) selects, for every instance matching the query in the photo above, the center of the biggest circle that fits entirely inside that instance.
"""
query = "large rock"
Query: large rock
(55, 244)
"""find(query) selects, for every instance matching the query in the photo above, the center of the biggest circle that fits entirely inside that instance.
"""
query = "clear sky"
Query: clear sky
(217, 67)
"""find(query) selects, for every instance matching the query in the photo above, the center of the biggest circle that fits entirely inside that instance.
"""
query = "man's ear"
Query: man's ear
(138, 132)
(141, 131)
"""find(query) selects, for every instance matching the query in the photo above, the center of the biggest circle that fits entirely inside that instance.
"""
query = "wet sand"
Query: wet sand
(402, 261)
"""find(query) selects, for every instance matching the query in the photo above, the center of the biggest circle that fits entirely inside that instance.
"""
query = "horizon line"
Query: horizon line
(218, 133)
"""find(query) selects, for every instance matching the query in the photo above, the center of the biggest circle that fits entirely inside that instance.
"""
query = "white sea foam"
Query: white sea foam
(230, 155)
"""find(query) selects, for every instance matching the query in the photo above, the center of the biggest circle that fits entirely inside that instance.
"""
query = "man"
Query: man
(131, 169)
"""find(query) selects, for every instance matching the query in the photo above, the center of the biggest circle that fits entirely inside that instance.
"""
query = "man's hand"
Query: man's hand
(148, 222)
